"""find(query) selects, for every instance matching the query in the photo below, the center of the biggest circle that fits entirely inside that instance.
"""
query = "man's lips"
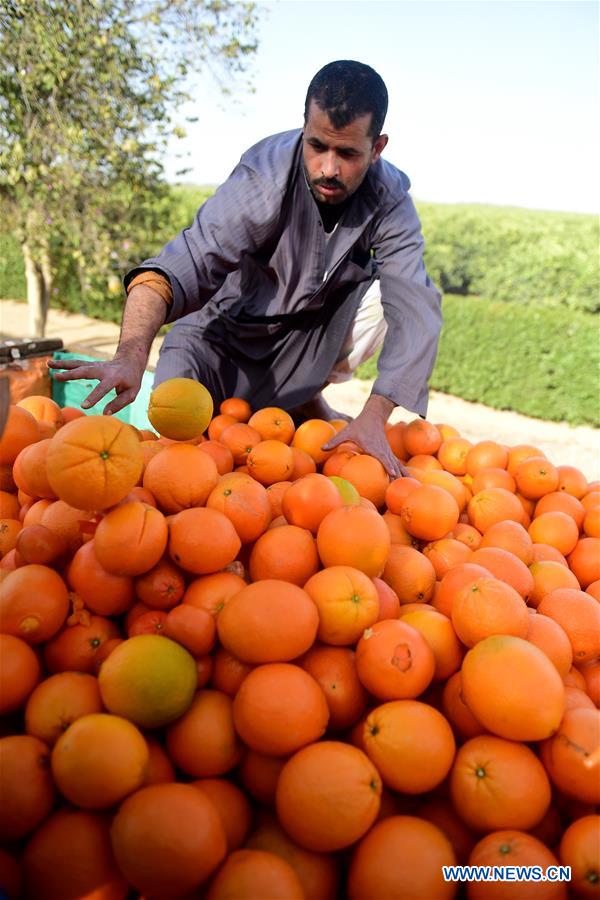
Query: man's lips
(328, 188)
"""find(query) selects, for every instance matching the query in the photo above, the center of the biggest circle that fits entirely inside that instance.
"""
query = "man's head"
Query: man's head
(344, 113)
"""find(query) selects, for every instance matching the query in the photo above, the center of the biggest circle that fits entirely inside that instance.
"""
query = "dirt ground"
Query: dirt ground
(561, 443)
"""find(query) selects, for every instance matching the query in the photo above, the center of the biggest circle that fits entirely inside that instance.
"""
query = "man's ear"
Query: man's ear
(378, 147)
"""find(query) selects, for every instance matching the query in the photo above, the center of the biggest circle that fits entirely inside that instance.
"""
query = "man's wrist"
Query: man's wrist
(133, 350)
(380, 404)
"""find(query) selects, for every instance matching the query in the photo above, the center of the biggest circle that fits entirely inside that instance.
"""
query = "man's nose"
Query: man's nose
(330, 165)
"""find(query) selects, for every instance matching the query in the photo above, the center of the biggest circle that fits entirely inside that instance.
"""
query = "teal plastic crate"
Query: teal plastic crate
(71, 393)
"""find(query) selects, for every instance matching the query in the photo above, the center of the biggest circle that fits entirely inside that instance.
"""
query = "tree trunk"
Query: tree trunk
(36, 300)
(47, 281)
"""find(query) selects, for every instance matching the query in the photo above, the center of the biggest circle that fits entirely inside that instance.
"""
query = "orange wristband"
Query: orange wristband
(157, 282)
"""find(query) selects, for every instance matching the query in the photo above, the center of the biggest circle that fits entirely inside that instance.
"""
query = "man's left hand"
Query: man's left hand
(367, 430)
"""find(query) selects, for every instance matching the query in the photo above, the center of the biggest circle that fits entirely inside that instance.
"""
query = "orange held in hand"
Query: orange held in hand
(180, 408)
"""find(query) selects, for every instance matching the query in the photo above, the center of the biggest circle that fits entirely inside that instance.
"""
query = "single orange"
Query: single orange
(70, 855)
(279, 708)
(20, 671)
(237, 407)
(203, 741)
(270, 461)
(394, 661)
(310, 437)
(354, 536)
(202, 540)
(26, 785)
(513, 688)
(309, 790)
(411, 744)
(21, 429)
(116, 756)
(404, 856)
(287, 553)
(346, 602)
(93, 462)
(58, 701)
(247, 874)
(270, 621)
(410, 574)
(240, 439)
(245, 502)
(421, 436)
(512, 847)
(579, 849)
(168, 839)
(572, 755)
(496, 783)
(429, 512)
(273, 423)
(486, 454)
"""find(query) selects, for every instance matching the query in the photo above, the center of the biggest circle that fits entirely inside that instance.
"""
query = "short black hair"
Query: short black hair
(346, 89)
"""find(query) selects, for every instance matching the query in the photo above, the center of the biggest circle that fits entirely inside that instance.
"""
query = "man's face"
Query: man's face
(337, 160)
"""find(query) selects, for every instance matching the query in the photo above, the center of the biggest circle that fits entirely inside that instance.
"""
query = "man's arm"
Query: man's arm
(145, 311)
(411, 306)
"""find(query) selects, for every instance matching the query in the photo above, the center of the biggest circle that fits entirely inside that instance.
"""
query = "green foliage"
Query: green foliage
(88, 96)
(12, 275)
(540, 361)
(175, 212)
(513, 255)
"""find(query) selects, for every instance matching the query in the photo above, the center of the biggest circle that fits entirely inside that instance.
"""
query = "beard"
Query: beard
(335, 199)
(329, 183)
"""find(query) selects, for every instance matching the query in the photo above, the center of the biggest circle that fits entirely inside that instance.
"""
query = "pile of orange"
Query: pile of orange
(241, 666)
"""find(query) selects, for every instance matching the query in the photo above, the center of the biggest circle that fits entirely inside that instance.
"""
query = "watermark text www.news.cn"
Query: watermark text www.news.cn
(506, 873)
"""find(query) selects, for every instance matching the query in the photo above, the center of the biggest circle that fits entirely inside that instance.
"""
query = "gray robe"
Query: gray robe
(257, 315)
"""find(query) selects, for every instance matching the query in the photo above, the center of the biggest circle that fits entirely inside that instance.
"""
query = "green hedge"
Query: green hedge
(540, 361)
(513, 255)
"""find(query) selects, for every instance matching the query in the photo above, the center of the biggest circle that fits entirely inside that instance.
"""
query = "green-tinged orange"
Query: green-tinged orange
(148, 679)
(180, 408)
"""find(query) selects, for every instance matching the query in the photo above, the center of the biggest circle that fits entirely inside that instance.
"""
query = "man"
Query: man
(312, 234)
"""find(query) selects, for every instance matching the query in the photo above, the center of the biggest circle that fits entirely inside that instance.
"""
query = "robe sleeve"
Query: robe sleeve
(411, 306)
(238, 219)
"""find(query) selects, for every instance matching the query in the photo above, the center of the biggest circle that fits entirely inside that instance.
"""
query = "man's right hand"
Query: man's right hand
(145, 311)
(123, 373)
